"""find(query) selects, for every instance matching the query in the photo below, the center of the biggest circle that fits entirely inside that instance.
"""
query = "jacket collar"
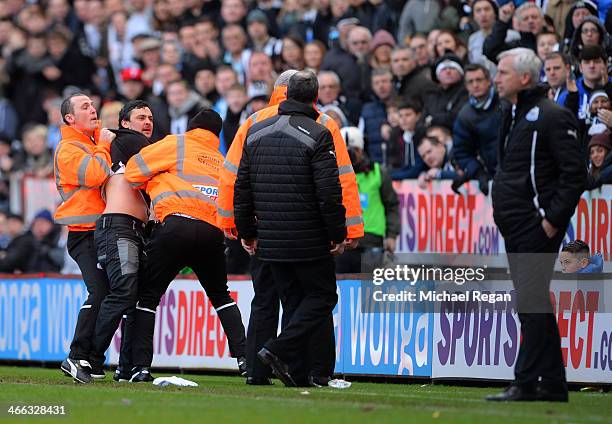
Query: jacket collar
(528, 98)
(291, 107)
(278, 96)
(69, 132)
(205, 137)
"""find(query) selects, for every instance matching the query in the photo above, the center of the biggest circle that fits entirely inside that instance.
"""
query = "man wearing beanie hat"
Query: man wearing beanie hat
(446, 102)
(180, 173)
(119, 236)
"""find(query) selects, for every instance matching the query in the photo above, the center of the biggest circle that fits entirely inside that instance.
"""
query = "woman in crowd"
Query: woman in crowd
(600, 171)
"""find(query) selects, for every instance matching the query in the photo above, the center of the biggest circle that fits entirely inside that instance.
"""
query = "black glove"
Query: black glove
(483, 181)
(458, 181)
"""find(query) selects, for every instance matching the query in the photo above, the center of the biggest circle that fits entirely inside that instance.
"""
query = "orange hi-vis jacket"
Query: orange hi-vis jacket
(181, 175)
(81, 167)
(350, 194)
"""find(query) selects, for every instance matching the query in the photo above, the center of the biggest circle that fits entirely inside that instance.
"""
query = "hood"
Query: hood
(193, 100)
(595, 265)
(569, 25)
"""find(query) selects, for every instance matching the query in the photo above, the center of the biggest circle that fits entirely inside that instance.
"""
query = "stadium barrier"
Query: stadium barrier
(465, 340)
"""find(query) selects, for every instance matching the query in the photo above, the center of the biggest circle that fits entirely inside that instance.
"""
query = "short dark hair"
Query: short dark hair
(554, 55)
(67, 107)
(433, 140)
(126, 110)
(473, 67)
(578, 248)
(554, 34)
(16, 216)
(303, 87)
(409, 104)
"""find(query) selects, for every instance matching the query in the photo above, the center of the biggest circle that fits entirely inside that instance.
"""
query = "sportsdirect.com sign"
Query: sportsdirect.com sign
(481, 340)
(437, 220)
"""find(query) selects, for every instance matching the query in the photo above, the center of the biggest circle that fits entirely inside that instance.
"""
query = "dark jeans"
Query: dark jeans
(175, 243)
(82, 249)
(320, 358)
(531, 260)
(119, 239)
(308, 289)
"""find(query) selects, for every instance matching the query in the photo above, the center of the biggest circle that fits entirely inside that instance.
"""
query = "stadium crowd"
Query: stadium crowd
(413, 78)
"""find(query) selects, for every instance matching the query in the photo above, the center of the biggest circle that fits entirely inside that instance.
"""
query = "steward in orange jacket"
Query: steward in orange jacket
(350, 192)
(82, 165)
(180, 173)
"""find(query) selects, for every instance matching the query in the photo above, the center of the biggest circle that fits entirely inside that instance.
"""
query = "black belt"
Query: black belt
(107, 220)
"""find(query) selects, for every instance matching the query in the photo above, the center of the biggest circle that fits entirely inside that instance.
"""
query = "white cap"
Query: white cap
(353, 137)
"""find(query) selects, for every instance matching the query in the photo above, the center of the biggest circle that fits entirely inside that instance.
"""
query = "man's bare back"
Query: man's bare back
(122, 198)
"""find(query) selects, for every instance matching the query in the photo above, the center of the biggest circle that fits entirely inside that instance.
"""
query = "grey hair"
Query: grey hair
(330, 74)
(527, 5)
(525, 61)
(356, 29)
(401, 48)
(283, 79)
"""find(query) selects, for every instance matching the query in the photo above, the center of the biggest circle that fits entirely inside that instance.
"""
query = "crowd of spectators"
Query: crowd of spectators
(415, 76)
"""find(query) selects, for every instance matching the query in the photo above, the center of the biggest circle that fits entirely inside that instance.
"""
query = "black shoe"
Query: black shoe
(318, 381)
(513, 393)
(259, 381)
(79, 369)
(97, 372)
(545, 394)
(281, 370)
(242, 367)
(141, 374)
(121, 375)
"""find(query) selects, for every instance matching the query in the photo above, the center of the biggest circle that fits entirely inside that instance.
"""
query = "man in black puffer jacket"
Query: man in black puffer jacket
(539, 180)
(288, 210)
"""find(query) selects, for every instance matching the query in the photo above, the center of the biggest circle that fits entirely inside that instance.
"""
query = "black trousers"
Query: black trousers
(531, 259)
(320, 358)
(175, 243)
(82, 249)
(119, 240)
(308, 291)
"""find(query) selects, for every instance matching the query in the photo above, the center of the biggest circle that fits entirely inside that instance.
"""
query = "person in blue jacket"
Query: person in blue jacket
(576, 257)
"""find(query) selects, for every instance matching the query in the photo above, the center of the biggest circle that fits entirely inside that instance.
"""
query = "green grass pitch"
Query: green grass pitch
(226, 399)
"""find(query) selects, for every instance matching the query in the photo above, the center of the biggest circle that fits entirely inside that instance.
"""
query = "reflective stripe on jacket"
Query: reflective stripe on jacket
(81, 167)
(350, 193)
(181, 174)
